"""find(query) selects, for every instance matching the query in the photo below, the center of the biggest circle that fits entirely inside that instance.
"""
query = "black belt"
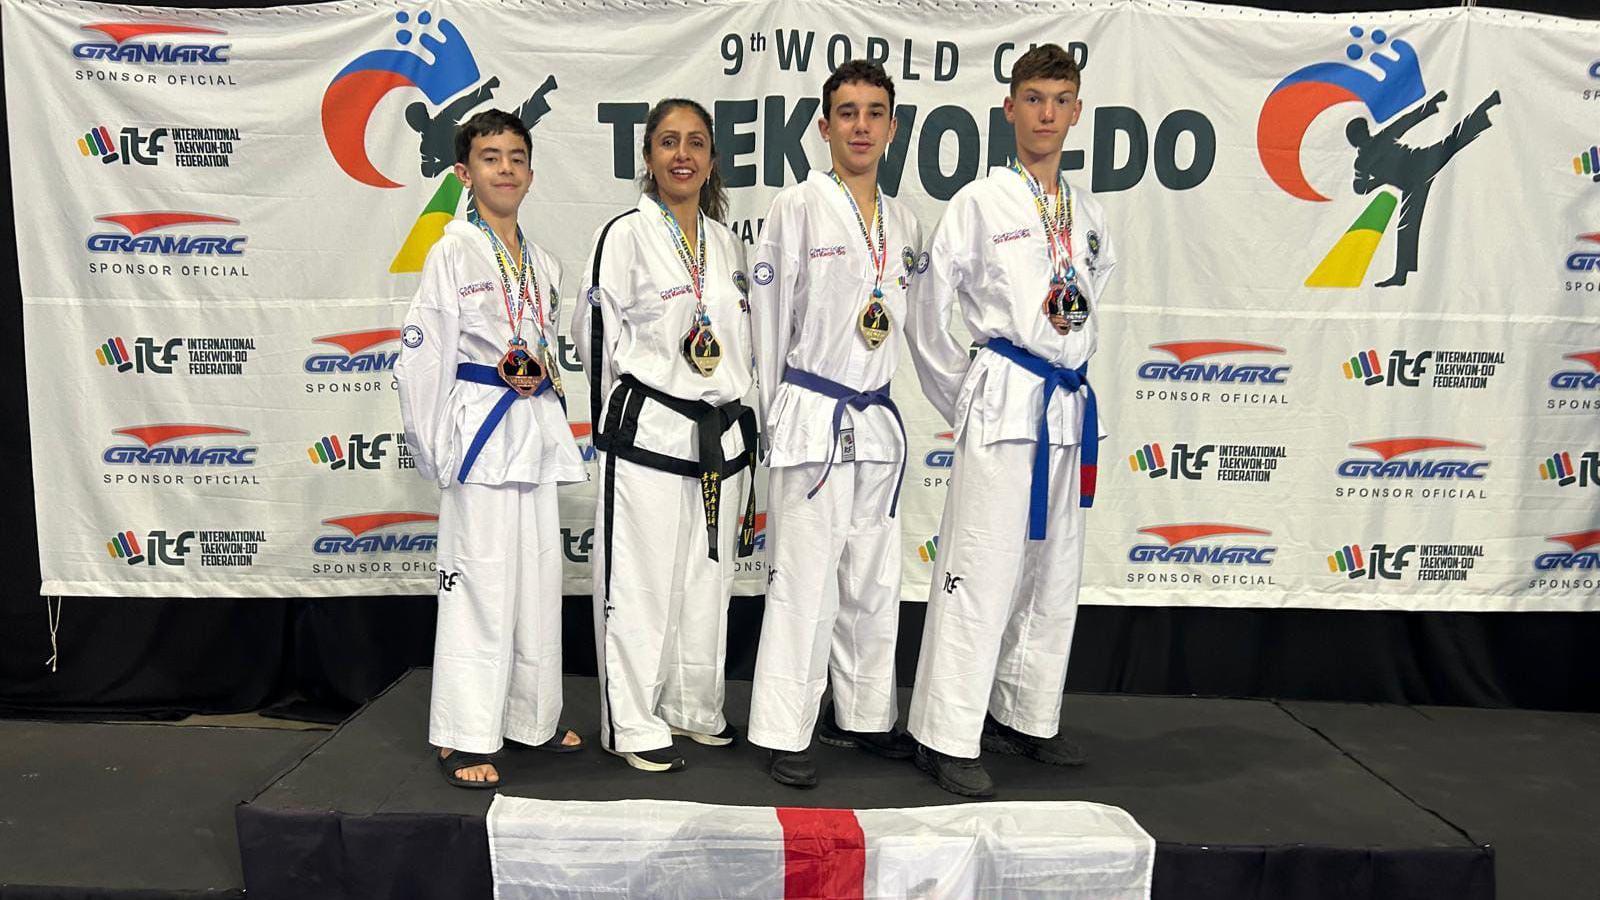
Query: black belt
(622, 426)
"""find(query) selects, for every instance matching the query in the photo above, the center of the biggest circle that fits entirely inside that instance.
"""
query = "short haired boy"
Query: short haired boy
(828, 302)
(480, 397)
(1029, 259)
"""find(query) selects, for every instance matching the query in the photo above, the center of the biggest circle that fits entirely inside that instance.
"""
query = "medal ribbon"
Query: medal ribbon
(696, 267)
(879, 254)
(525, 274)
(1057, 226)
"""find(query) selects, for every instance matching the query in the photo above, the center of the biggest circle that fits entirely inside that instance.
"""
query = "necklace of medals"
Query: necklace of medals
(700, 345)
(873, 323)
(1064, 304)
(520, 370)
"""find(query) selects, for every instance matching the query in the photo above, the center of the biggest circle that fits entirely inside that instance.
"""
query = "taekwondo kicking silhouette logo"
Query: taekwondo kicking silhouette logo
(450, 82)
(1383, 164)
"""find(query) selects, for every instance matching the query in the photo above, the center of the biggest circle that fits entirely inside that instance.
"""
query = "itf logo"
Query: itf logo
(165, 549)
(1404, 369)
(1390, 89)
(1560, 468)
(1186, 463)
(1378, 562)
(357, 452)
(146, 356)
(442, 67)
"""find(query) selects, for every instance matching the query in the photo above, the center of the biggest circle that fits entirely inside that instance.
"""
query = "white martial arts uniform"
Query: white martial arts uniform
(497, 651)
(1001, 608)
(833, 587)
(661, 602)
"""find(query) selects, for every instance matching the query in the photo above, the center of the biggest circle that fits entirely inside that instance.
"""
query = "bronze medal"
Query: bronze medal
(520, 370)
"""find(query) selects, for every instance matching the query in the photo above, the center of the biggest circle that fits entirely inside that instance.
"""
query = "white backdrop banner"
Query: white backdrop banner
(1352, 359)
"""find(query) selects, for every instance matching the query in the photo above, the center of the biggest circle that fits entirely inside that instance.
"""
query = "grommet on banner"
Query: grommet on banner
(53, 613)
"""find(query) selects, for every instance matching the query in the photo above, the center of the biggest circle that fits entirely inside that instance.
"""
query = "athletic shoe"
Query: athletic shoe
(966, 777)
(662, 759)
(891, 744)
(792, 768)
(1056, 751)
(721, 739)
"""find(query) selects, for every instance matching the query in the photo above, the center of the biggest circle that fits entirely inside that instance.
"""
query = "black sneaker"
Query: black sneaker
(891, 744)
(966, 777)
(721, 739)
(1056, 751)
(662, 759)
(792, 768)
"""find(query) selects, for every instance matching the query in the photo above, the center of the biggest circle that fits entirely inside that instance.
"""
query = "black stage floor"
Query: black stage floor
(1243, 799)
(1247, 799)
(130, 810)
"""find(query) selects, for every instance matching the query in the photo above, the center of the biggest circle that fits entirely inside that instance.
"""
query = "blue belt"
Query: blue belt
(860, 400)
(1089, 459)
(478, 373)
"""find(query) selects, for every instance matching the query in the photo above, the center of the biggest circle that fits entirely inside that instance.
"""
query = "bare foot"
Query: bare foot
(473, 773)
(571, 739)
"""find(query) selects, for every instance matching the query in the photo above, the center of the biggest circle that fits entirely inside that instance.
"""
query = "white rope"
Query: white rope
(52, 608)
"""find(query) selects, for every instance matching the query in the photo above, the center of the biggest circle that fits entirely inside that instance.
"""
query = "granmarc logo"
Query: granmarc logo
(1186, 363)
(123, 44)
(139, 239)
(1183, 544)
(1389, 465)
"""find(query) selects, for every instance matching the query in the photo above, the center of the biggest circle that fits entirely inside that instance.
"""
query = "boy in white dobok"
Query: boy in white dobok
(479, 394)
(828, 302)
(1028, 258)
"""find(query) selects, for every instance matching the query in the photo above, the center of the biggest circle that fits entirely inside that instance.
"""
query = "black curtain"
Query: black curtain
(174, 656)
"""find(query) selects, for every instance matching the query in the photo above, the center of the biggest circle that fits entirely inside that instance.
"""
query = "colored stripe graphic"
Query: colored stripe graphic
(1547, 469)
(105, 138)
(122, 351)
(429, 227)
(824, 854)
(83, 146)
(1346, 264)
(1373, 367)
(1566, 464)
(101, 352)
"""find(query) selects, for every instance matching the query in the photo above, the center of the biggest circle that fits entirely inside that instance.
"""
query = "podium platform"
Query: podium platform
(1244, 798)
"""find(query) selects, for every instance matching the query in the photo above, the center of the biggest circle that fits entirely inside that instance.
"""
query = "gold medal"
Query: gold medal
(874, 323)
(702, 349)
(552, 371)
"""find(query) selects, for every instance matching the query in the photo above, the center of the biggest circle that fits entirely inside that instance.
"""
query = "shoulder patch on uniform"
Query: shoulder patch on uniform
(411, 336)
(764, 273)
(741, 282)
(593, 295)
(922, 262)
(1094, 244)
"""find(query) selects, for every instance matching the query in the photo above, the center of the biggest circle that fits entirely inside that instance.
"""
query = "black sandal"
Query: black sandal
(458, 760)
(555, 745)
